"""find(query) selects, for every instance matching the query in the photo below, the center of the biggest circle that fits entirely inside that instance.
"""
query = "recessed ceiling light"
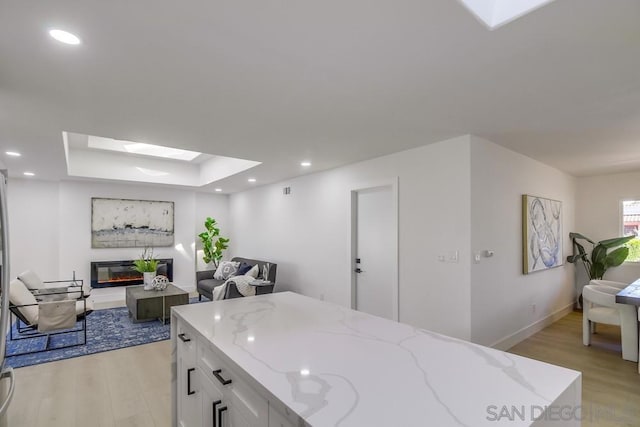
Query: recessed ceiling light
(218, 189)
(64, 37)
(29, 174)
(13, 154)
(251, 180)
(305, 164)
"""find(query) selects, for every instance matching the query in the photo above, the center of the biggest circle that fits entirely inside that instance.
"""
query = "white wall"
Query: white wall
(598, 202)
(462, 194)
(59, 233)
(33, 227)
(501, 296)
(307, 232)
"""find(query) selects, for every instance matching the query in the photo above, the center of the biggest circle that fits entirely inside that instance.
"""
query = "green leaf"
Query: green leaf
(574, 236)
(598, 254)
(617, 257)
(597, 271)
(574, 258)
(617, 241)
(581, 249)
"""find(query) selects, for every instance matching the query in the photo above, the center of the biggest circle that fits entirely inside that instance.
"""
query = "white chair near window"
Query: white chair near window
(599, 306)
(618, 285)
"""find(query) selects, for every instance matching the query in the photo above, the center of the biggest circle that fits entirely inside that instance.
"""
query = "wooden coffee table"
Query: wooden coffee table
(153, 305)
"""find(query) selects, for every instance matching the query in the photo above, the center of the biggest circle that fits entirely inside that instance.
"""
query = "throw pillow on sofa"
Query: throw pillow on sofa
(255, 270)
(243, 269)
(226, 269)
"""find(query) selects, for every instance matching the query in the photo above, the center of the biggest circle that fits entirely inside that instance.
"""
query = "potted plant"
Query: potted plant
(600, 260)
(147, 265)
(212, 243)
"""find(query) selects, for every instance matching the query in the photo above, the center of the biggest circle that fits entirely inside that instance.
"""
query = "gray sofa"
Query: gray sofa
(206, 282)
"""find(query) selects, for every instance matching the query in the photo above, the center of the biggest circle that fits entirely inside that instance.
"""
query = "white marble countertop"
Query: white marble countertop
(335, 366)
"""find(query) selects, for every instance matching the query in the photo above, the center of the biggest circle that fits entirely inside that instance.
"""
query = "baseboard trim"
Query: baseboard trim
(509, 341)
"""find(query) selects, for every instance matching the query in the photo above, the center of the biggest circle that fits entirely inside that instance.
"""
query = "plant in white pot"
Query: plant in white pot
(147, 265)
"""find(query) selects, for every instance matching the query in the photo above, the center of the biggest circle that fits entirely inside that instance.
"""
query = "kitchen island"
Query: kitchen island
(288, 360)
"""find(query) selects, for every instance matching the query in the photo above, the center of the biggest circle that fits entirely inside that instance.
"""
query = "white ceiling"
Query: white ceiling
(330, 81)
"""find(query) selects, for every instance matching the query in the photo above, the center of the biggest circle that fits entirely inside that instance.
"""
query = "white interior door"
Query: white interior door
(376, 252)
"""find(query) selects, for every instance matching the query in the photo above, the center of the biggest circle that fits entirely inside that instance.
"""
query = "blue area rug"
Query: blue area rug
(108, 329)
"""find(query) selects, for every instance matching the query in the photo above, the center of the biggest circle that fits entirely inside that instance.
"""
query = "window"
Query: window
(631, 227)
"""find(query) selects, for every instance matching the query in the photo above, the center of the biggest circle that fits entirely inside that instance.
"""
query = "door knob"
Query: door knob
(359, 270)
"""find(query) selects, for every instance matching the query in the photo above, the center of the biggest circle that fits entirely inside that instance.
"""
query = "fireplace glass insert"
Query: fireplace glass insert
(122, 273)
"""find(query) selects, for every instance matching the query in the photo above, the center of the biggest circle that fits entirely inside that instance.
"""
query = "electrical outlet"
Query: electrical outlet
(476, 258)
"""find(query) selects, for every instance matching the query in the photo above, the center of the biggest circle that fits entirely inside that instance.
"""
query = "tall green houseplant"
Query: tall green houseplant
(600, 260)
(212, 243)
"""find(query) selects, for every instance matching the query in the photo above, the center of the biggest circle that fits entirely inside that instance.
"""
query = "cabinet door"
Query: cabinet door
(187, 394)
(214, 407)
(276, 419)
(244, 406)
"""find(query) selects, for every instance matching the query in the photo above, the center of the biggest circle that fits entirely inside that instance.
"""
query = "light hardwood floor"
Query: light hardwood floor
(130, 387)
(610, 385)
(127, 387)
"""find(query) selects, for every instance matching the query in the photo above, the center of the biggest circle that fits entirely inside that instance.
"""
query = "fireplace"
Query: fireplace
(106, 274)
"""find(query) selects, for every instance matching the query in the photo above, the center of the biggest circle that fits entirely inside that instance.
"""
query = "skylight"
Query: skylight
(141, 148)
(495, 13)
(159, 151)
(92, 156)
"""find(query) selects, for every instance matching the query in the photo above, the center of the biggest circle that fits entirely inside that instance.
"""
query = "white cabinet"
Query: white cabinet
(213, 411)
(212, 394)
(276, 419)
(188, 403)
(244, 406)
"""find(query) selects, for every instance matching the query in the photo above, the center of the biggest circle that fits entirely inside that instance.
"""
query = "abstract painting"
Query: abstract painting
(541, 233)
(122, 223)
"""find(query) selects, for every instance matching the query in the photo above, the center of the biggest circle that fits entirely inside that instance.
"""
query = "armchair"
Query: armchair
(47, 312)
(600, 307)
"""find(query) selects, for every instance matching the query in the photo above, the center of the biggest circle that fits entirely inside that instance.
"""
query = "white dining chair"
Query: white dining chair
(599, 306)
(610, 283)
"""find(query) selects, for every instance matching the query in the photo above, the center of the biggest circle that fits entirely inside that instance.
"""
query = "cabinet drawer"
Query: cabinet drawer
(209, 361)
(186, 339)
